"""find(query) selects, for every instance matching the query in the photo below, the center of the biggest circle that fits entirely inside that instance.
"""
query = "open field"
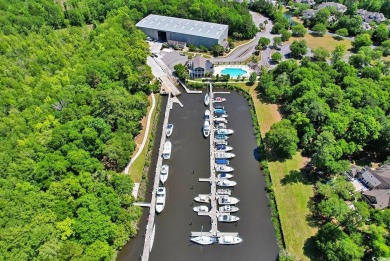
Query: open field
(137, 167)
(292, 195)
(327, 42)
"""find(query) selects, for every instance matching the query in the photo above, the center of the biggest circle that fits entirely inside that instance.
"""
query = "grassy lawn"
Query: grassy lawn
(237, 43)
(327, 42)
(137, 167)
(291, 197)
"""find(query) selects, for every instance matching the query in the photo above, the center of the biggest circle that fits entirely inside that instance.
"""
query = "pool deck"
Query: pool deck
(218, 69)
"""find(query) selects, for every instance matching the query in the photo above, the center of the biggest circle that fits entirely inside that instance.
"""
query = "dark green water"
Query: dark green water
(190, 154)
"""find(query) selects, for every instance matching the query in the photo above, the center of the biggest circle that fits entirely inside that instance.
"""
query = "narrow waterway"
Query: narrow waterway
(189, 162)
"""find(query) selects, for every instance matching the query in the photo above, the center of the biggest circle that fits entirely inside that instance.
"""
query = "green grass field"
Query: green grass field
(291, 197)
(137, 167)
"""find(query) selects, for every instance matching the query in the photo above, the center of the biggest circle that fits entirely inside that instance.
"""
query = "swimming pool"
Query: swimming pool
(233, 72)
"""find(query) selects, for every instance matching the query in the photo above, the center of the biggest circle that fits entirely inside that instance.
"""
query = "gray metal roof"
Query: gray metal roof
(184, 26)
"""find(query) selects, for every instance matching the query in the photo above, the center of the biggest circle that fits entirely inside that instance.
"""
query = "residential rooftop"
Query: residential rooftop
(183, 26)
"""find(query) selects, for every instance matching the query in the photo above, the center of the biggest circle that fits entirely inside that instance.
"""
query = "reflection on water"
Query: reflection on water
(189, 162)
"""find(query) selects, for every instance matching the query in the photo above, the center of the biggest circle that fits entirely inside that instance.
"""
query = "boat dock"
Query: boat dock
(213, 213)
(149, 234)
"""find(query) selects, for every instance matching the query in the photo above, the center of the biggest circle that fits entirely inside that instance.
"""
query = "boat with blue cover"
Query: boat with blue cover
(222, 161)
(221, 137)
(225, 131)
(223, 148)
(219, 111)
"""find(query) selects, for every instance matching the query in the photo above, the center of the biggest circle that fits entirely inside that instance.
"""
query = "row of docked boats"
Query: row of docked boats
(226, 203)
(164, 171)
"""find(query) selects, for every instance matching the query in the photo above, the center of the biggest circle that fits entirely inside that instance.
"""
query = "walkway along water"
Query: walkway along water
(190, 161)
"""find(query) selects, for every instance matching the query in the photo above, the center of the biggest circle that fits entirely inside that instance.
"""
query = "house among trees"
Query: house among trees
(378, 182)
(309, 14)
(200, 67)
(371, 16)
(339, 7)
(309, 2)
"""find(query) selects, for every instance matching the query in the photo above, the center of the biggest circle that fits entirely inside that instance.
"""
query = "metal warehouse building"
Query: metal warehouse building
(165, 28)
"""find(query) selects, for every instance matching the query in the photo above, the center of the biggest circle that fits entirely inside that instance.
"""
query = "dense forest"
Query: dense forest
(74, 86)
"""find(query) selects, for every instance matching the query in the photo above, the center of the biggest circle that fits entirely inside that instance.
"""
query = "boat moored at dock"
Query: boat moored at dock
(202, 198)
(207, 99)
(222, 148)
(220, 120)
(229, 240)
(219, 107)
(206, 128)
(226, 200)
(222, 161)
(226, 183)
(225, 131)
(224, 155)
(223, 168)
(220, 142)
(204, 240)
(167, 150)
(220, 137)
(227, 218)
(227, 209)
(219, 112)
(225, 176)
(164, 173)
(169, 130)
(219, 99)
(160, 199)
(224, 191)
(201, 208)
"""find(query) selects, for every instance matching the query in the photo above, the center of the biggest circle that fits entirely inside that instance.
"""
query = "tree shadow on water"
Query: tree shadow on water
(257, 154)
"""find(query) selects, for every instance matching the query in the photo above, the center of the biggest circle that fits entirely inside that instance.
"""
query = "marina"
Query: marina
(190, 161)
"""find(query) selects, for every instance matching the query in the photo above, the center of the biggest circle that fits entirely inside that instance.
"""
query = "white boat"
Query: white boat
(206, 115)
(220, 120)
(203, 240)
(222, 148)
(202, 198)
(206, 128)
(207, 99)
(223, 168)
(225, 176)
(220, 125)
(219, 107)
(219, 99)
(164, 173)
(169, 130)
(224, 191)
(226, 200)
(225, 131)
(227, 218)
(224, 115)
(227, 209)
(220, 137)
(224, 155)
(226, 183)
(229, 240)
(167, 150)
(201, 208)
(160, 199)
(220, 142)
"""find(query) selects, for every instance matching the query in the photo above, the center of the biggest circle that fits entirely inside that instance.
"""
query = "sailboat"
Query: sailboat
(203, 240)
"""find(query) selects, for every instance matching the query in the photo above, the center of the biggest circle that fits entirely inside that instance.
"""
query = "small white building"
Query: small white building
(200, 66)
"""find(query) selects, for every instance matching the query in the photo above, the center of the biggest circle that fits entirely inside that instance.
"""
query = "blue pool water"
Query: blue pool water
(233, 72)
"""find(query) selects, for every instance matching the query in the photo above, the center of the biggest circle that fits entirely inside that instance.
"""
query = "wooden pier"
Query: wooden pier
(149, 234)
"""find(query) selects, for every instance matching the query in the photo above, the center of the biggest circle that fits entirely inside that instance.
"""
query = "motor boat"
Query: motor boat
(224, 155)
(206, 128)
(164, 173)
(225, 131)
(219, 111)
(224, 191)
(201, 209)
(219, 107)
(220, 120)
(220, 126)
(226, 200)
(220, 142)
(221, 137)
(169, 130)
(226, 183)
(222, 161)
(227, 209)
(207, 99)
(204, 240)
(167, 150)
(225, 176)
(223, 168)
(202, 198)
(222, 148)
(206, 115)
(227, 218)
(223, 115)
(160, 199)
(219, 99)
(229, 240)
